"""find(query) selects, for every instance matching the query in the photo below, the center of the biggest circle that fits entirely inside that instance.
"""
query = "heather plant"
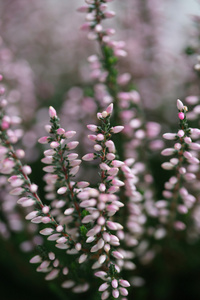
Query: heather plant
(103, 220)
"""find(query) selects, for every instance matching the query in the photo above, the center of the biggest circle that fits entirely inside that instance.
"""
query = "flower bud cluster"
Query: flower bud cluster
(185, 164)
(102, 204)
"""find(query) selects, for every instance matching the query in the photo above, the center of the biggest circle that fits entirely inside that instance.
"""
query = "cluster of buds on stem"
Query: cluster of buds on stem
(185, 165)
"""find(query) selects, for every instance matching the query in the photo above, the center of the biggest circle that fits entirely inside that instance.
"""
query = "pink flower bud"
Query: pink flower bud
(54, 144)
(109, 109)
(117, 182)
(181, 115)
(62, 190)
(82, 258)
(103, 287)
(167, 151)
(110, 145)
(102, 187)
(117, 163)
(194, 146)
(59, 228)
(109, 14)
(97, 147)
(169, 136)
(177, 146)
(92, 127)
(190, 176)
(98, 28)
(104, 167)
(33, 188)
(114, 283)
(117, 129)
(45, 209)
(46, 231)
(100, 137)
(69, 134)
(52, 275)
(178, 225)
(187, 154)
(52, 112)
(124, 283)
(74, 170)
(82, 184)
(105, 295)
(72, 145)
(115, 294)
(179, 105)
(92, 137)
(60, 131)
(88, 157)
(110, 156)
(167, 166)
(123, 291)
(72, 156)
(83, 8)
(43, 140)
(192, 100)
(31, 215)
(187, 140)
(35, 259)
(181, 133)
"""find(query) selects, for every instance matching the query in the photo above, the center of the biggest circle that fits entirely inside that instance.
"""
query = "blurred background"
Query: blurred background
(43, 57)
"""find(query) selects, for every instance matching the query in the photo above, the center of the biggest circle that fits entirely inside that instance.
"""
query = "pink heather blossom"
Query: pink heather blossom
(187, 140)
(31, 215)
(74, 170)
(69, 134)
(117, 182)
(180, 105)
(117, 255)
(69, 211)
(92, 127)
(72, 156)
(52, 112)
(45, 209)
(169, 136)
(54, 144)
(124, 283)
(115, 294)
(123, 291)
(60, 131)
(72, 145)
(88, 157)
(46, 231)
(181, 133)
(117, 129)
(177, 146)
(59, 228)
(82, 184)
(194, 146)
(109, 109)
(97, 147)
(105, 295)
(100, 137)
(103, 287)
(167, 151)
(36, 259)
(167, 166)
(114, 283)
(62, 190)
(181, 115)
(43, 140)
(192, 100)
(52, 275)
